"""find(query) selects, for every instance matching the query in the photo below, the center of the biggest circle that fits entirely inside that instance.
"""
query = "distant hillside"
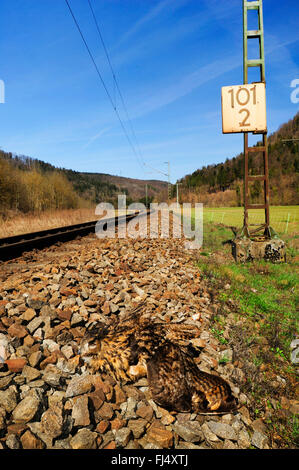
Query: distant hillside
(111, 185)
(222, 184)
(31, 185)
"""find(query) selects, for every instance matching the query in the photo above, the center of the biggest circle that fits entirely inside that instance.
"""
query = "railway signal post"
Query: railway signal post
(244, 111)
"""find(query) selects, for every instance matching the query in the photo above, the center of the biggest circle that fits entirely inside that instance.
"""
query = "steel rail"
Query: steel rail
(14, 246)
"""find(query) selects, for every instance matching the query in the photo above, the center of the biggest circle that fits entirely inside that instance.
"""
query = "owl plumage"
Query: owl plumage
(139, 345)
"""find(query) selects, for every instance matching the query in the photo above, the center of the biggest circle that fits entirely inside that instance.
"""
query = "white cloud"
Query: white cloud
(96, 136)
(187, 84)
(153, 13)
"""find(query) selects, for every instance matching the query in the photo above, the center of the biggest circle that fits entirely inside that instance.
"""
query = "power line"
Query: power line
(101, 79)
(114, 78)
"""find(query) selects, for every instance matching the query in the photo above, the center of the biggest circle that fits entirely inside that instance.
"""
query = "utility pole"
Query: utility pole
(146, 195)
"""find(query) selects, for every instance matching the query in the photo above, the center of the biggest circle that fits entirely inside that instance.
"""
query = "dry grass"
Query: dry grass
(19, 224)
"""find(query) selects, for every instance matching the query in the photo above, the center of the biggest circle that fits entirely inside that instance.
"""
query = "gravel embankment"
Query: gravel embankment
(51, 401)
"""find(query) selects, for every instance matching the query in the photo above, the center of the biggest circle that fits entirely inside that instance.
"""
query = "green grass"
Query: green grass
(284, 219)
(265, 292)
(264, 297)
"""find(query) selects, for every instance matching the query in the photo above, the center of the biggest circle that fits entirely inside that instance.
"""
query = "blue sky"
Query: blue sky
(171, 58)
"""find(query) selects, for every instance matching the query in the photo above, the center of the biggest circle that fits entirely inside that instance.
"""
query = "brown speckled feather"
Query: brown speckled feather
(138, 346)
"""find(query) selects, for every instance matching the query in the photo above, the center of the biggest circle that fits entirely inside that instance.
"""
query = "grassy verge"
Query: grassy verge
(263, 298)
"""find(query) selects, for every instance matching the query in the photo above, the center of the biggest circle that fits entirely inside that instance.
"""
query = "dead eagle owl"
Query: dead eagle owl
(137, 346)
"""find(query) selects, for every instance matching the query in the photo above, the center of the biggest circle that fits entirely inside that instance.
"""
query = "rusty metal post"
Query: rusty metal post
(260, 62)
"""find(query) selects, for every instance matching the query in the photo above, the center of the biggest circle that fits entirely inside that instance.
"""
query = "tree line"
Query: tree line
(31, 185)
(228, 176)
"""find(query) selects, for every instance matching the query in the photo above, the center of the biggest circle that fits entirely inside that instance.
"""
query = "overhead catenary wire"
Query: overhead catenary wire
(115, 79)
(102, 81)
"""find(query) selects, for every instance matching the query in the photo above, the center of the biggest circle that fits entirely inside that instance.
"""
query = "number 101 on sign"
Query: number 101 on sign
(244, 108)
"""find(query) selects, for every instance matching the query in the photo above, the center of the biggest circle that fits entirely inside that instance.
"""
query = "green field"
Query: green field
(284, 219)
(263, 299)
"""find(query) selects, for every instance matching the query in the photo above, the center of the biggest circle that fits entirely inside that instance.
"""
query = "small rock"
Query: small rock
(5, 381)
(259, 425)
(97, 397)
(80, 412)
(35, 324)
(237, 423)
(29, 314)
(122, 436)
(103, 426)
(128, 408)
(56, 398)
(145, 411)
(64, 314)
(79, 385)
(35, 428)
(133, 445)
(111, 445)
(52, 421)
(8, 399)
(208, 434)
(34, 303)
(67, 351)
(52, 375)
(35, 358)
(26, 409)
(160, 436)
(227, 355)
(39, 334)
(17, 331)
(62, 444)
(229, 445)
(189, 431)
(76, 319)
(188, 445)
(30, 441)
(244, 439)
(2, 418)
(137, 427)
(12, 442)
(223, 430)
(50, 345)
(30, 373)
(106, 411)
(259, 440)
(105, 308)
(84, 439)
(245, 415)
(120, 396)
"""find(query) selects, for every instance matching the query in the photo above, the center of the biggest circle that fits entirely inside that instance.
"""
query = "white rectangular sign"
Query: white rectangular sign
(244, 108)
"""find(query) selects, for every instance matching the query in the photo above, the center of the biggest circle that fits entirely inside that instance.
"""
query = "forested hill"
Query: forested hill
(30, 185)
(222, 183)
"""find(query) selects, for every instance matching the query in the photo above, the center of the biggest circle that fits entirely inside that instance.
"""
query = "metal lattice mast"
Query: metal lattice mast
(259, 62)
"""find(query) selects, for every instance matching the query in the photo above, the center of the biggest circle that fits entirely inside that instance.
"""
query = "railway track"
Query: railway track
(15, 246)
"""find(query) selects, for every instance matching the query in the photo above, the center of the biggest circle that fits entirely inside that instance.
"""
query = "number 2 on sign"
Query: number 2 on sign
(243, 100)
